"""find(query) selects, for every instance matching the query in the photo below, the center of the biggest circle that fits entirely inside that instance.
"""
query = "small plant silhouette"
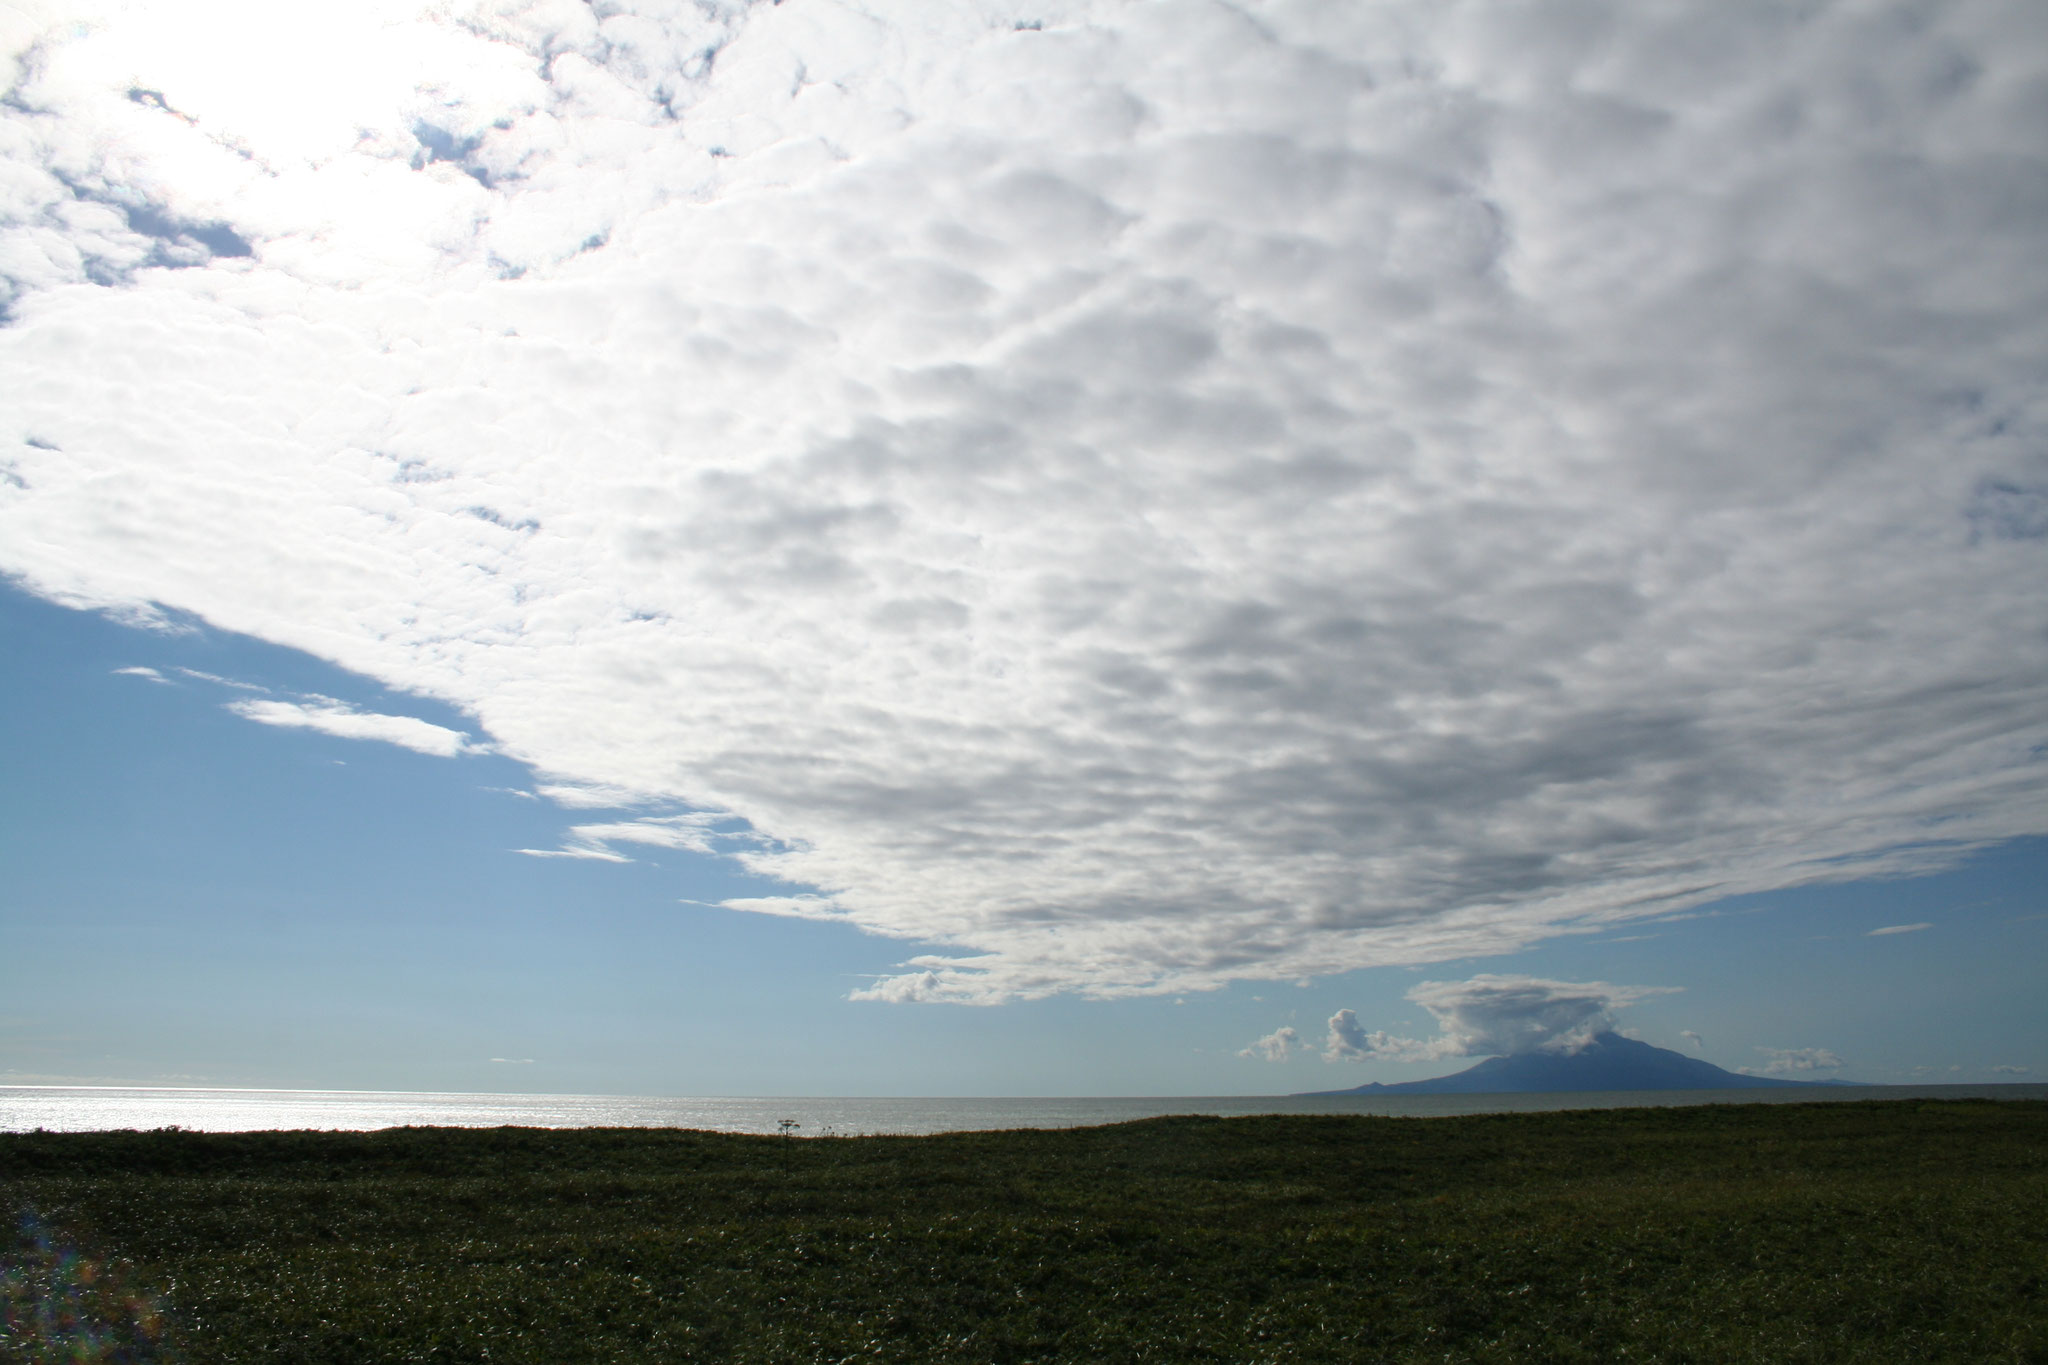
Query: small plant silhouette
(788, 1127)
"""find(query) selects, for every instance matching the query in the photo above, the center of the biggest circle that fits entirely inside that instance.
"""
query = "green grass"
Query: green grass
(1873, 1231)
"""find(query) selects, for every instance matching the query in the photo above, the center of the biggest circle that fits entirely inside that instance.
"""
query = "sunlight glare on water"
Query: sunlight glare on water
(102, 1108)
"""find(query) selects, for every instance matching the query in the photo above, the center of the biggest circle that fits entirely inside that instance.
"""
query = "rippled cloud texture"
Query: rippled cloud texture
(1142, 494)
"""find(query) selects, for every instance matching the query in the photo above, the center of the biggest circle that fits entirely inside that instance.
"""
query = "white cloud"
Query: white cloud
(585, 852)
(1160, 499)
(224, 682)
(923, 987)
(513, 1061)
(1792, 1061)
(140, 672)
(336, 718)
(1898, 929)
(589, 796)
(692, 831)
(1695, 1039)
(1275, 1046)
(1491, 1016)
(2012, 1070)
(705, 832)
(1348, 1041)
(659, 832)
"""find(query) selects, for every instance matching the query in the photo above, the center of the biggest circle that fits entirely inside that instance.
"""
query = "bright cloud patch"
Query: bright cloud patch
(1135, 501)
(339, 719)
(1898, 929)
(1490, 1016)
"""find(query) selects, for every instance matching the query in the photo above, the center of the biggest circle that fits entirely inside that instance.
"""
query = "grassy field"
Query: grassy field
(1882, 1231)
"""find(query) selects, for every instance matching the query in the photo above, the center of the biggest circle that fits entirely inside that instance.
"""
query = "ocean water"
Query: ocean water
(98, 1108)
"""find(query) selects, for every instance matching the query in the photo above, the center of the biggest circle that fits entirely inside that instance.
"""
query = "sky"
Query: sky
(1001, 548)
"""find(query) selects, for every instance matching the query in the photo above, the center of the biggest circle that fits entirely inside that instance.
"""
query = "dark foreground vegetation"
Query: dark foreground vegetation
(1887, 1231)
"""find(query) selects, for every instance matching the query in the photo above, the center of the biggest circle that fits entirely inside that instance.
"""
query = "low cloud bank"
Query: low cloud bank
(1794, 1061)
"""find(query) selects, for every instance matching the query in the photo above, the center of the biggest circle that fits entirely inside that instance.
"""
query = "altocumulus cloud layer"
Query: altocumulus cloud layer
(1135, 494)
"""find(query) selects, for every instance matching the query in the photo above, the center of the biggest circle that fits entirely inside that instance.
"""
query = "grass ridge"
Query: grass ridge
(1906, 1230)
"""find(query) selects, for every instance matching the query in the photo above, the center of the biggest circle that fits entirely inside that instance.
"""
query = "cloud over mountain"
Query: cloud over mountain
(1173, 494)
(1490, 1016)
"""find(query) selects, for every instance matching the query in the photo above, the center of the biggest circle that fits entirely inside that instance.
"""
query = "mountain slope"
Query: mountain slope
(1609, 1062)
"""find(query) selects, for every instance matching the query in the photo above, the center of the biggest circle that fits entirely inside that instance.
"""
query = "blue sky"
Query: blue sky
(999, 548)
(195, 898)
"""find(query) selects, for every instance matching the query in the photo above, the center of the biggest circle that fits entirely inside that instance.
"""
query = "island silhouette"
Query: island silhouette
(1607, 1062)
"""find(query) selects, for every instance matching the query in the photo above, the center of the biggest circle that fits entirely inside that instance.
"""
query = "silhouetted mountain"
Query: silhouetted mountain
(1609, 1062)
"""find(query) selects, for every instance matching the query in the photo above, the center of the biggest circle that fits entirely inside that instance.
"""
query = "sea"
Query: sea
(74, 1109)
